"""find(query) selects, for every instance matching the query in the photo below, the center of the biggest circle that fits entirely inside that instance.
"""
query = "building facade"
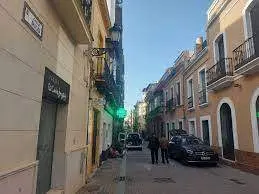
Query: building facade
(107, 92)
(55, 117)
(173, 93)
(220, 86)
(140, 109)
(233, 80)
(196, 99)
(44, 92)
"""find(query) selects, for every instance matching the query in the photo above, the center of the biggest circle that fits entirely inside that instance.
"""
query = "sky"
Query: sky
(154, 34)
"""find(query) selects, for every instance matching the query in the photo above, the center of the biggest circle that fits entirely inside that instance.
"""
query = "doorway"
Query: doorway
(227, 132)
(45, 146)
(205, 132)
(180, 125)
(95, 134)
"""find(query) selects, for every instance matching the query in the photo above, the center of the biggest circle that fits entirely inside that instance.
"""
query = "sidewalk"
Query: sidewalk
(105, 179)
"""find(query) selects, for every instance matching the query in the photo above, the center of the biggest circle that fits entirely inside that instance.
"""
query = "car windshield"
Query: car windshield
(133, 136)
(192, 141)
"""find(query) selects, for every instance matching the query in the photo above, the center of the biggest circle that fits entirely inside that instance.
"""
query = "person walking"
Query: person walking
(164, 143)
(153, 145)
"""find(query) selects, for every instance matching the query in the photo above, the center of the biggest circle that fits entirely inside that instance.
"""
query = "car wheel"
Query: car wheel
(174, 156)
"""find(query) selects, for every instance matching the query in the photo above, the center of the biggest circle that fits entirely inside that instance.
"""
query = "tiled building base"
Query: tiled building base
(245, 161)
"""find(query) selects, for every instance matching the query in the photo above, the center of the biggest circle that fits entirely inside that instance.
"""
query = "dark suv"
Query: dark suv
(191, 149)
(134, 141)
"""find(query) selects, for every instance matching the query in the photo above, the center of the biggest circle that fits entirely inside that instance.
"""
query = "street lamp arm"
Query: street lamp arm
(97, 51)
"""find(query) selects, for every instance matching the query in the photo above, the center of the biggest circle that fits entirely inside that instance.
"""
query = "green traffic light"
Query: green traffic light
(121, 113)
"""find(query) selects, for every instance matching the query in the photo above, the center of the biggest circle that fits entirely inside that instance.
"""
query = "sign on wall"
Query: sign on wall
(55, 88)
(32, 21)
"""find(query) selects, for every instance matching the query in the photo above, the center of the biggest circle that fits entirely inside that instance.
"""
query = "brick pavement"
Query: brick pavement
(144, 178)
(104, 181)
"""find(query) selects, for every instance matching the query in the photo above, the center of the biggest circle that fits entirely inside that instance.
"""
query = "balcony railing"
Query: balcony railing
(203, 96)
(246, 52)
(86, 7)
(221, 69)
(190, 102)
(105, 80)
(156, 112)
(171, 104)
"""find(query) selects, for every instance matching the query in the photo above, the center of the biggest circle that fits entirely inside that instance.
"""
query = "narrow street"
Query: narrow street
(144, 178)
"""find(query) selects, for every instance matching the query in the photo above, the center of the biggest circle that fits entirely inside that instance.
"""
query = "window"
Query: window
(203, 97)
(166, 98)
(192, 127)
(166, 95)
(172, 93)
(250, 18)
(190, 89)
(205, 129)
(190, 93)
(205, 132)
(173, 126)
(178, 93)
(167, 127)
(219, 48)
(180, 125)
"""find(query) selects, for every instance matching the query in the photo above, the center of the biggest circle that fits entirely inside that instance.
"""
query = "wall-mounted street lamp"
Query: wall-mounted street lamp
(111, 42)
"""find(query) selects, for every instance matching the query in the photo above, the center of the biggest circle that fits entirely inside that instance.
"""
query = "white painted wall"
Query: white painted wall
(106, 134)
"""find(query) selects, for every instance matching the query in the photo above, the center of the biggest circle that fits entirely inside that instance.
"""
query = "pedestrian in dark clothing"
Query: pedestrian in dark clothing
(154, 146)
(164, 143)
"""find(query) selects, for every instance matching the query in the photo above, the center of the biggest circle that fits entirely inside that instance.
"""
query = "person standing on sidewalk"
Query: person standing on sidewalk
(153, 145)
(164, 143)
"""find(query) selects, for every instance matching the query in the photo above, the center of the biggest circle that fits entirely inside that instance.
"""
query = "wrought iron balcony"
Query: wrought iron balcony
(203, 96)
(156, 112)
(171, 105)
(104, 80)
(190, 102)
(220, 75)
(244, 56)
(86, 7)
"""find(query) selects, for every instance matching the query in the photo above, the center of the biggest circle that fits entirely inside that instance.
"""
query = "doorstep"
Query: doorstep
(56, 191)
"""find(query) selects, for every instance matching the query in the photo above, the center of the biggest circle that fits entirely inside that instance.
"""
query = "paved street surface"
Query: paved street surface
(144, 178)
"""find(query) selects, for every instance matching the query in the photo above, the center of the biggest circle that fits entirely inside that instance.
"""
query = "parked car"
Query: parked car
(134, 141)
(178, 132)
(191, 149)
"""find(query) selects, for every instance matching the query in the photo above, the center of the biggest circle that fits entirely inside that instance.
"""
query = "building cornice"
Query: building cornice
(214, 17)
(200, 55)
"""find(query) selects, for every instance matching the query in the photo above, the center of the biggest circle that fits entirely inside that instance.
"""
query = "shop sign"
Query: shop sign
(54, 88)
(32, 21)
